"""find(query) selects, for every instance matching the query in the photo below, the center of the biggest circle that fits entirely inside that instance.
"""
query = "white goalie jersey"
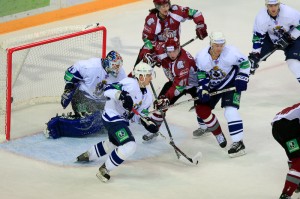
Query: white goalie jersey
(94, 78)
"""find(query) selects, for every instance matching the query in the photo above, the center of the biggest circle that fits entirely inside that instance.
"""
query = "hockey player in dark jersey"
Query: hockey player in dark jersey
(286, 131)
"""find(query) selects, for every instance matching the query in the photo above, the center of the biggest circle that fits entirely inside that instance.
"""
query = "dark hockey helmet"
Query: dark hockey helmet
(172, 44)
(112, 63)
(158, 3)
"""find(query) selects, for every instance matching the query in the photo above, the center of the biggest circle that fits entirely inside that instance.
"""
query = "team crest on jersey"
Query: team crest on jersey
(180, 64)
(100, 88)
(168, 34)
(216, 75)
(150, 21)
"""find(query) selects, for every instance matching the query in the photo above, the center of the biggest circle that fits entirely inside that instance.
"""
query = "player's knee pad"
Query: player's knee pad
(231, 114)
(70, 126)
(126, 150)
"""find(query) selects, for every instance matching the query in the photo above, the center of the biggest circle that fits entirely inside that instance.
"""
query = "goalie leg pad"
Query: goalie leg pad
(71, 126)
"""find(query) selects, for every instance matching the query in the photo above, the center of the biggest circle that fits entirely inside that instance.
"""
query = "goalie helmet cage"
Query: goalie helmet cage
(35, 66)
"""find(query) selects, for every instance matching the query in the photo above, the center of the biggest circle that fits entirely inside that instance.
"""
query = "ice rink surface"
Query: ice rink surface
(34, 167)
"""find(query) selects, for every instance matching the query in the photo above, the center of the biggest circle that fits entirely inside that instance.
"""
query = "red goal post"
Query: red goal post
(36, 64)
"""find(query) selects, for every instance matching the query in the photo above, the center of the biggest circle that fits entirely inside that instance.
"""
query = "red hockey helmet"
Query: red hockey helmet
(161, 2)
(172, 44)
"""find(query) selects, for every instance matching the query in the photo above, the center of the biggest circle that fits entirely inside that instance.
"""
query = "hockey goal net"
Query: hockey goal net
(33, 66)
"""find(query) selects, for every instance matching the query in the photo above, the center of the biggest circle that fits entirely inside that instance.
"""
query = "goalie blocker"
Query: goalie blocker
(73, 126)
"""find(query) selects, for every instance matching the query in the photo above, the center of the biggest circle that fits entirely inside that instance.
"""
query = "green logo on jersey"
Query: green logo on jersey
(117, 86)
(236, 98)
(122, 135)
(292, 145)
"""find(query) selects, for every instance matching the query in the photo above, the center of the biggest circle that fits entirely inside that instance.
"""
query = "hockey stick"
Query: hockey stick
(164, 119)
(178, 152)
(215, 93)
(195, 160)
(189, 41)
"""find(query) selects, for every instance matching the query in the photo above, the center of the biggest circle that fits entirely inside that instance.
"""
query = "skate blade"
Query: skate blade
(201, 136)
(148, 140)
(240, 153)
(101, 177)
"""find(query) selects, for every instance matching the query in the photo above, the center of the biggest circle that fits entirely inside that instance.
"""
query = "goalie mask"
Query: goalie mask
(112, 63)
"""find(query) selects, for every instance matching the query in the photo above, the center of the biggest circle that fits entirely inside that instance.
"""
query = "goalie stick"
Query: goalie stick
(195, 160)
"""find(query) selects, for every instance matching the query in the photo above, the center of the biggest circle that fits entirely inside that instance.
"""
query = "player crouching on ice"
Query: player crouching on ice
(122, 97)
(85, 82)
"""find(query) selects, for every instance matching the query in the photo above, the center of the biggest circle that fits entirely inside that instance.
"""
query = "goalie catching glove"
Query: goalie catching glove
(149, 124)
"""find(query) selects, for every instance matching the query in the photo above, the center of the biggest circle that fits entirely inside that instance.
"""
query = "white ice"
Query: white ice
(48, 171)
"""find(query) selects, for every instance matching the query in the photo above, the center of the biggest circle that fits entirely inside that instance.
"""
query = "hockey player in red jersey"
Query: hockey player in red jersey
(164, 22)
(286, 131)
(180, 68)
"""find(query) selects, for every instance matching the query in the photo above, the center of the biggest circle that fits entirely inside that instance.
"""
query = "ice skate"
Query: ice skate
(103, 174)
(221, 140)
(200, 132)
(83, 157)
(150, 137)
(284, 196)
(46, 132)
(237, 149)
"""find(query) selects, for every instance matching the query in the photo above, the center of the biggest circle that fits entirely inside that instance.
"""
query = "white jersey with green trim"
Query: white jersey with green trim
(287, 20)
(94, 78)
(221, 70)
(114, 110)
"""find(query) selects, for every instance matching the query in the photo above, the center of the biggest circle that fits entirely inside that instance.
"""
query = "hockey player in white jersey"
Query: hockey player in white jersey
(276, 27)
(221, 66)
(286, 131)
(122, 97)
(84, 88)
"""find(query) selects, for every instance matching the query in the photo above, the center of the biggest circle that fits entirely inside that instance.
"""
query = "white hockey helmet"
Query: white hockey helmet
(217, 38)
(142, 69)
(270, 2)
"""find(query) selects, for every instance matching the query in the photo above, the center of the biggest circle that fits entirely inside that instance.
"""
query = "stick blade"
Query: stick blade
(192, 161)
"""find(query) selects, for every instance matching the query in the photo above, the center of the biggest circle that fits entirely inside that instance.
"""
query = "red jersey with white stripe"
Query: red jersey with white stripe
(289, 113)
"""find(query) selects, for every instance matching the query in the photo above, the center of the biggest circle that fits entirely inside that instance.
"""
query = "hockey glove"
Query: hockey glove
(203, 94)
(201, 31)
(149, 125)
(161, 102)
(67, 96)
(254, 60)
(241, 81)
(126, 100)
(151, 59)
(285, 40)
